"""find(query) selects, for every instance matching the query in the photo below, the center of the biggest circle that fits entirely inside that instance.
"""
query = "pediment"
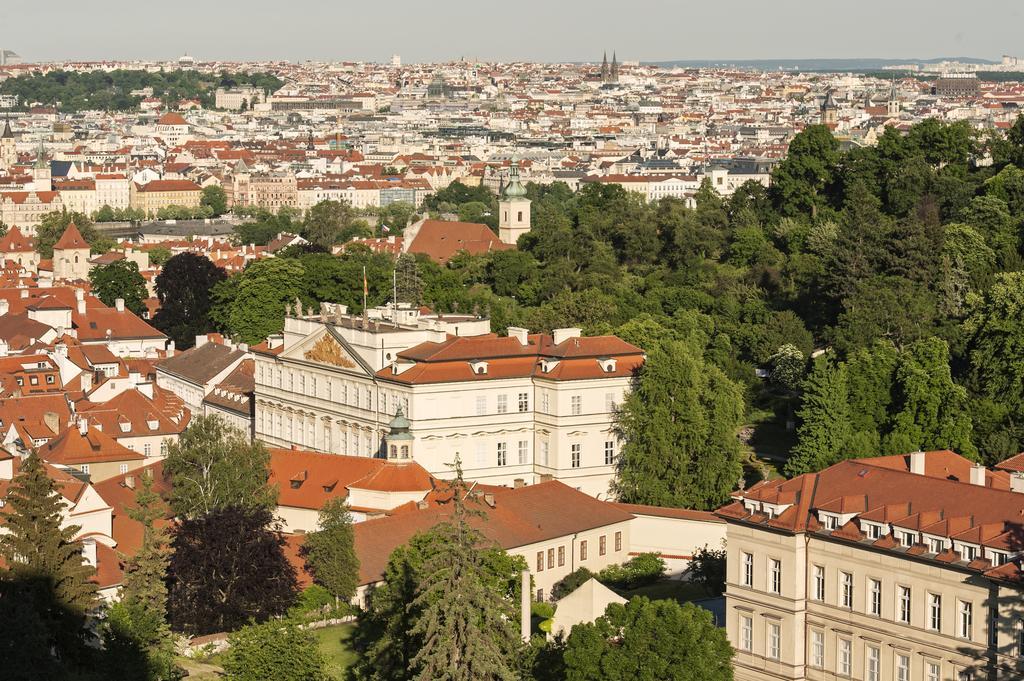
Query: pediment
(324, 348)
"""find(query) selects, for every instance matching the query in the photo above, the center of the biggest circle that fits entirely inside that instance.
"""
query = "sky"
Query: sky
(523, 30)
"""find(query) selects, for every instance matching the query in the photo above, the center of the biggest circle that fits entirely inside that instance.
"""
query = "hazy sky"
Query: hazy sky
(539, 30)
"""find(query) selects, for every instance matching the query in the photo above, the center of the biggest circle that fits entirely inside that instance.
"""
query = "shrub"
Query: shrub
(570, 583)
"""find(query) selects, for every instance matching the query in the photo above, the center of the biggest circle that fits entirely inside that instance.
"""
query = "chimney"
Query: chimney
(5, 307)
(89, 551)
(520, 334)
(4, 348)
(119, 304)
(170, 348)
(917, 462)
(129, 481)
(201, 340)
(978, 475)
(83, 425)
(524, 605)
(489, 499)
(80, 305)
(86, 381)
(562, 335)
(24, 293)
(518, 483)
(243, 347)
(1017, 482)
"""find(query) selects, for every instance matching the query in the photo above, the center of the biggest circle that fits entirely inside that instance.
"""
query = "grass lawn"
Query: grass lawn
(334, 644)
(681, 591)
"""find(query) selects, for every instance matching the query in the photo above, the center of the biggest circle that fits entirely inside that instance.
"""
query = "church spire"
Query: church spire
(8, 133)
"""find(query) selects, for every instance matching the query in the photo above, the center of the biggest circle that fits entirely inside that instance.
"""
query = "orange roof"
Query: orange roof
(172, 119)
(71, 238)
(16, 242)
(169, 186)
(441, 240)
(93, 446)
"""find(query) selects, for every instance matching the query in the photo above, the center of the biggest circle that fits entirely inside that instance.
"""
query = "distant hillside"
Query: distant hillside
(866, 64)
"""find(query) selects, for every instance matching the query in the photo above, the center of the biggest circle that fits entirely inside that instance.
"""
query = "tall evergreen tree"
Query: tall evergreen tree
(138, 622)
(679, 424)
(45, 558)
(825, 419)
(466, 628)
(330, 551)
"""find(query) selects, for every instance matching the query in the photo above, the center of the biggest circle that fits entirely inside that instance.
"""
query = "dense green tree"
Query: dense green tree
(183, 287)
(679, 426)
(214, 465)
(647, 640)
(330, 552)
(332, 222)
(274, 650)
(251, 305)
(808, 169)
(45, 563)
(396, 217)
(52, 226)
(227, 568)
(215, 199)
(825, 420)
(120, 279)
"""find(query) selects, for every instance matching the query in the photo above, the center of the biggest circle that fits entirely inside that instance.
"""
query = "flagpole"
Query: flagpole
(394, 288)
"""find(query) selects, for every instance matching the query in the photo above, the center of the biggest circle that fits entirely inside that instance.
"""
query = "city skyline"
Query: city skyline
(527, 31)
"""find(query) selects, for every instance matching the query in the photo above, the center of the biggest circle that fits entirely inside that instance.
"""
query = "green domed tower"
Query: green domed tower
(513, 209)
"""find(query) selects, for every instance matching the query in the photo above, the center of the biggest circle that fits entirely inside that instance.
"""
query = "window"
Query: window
(577, 405)
(49, 379)
(847, 593)
(993, 626)
(1020, 638)
(905, 604)
(123, 468)
(609, 452)
(618, 542)
(873, 668)
(831, 522)
(147, 449)
(966, 675)
(524, 446)
(502, 404)
(575, 451)
(602, 545)
(583, 549)
(85, 468)
(561, 556)
(933, 671)
(775, 571)
(934, 612)
(540, 561)
(817, 649)
(875, 592)
(524, 402)
(969, 553)
(748, 569)
(844, 662)
(936, 545)
(819, 583)
(902, 667)
(873, 531)
(502, 453)
(774, 642)
(481, 454)
(966, 619)
(746, 633)
(545, 402)
(907, 539)
(551, 558)
(540, 595)
(481, 405)
(544, 447)
(609, 402)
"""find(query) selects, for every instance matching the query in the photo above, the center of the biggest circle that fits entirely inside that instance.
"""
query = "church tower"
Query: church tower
(8, 151)
(42, 181)
(615, 68)
(398, 442)
(513, 209)
(604, 69)
(892, 106)
(829, 110)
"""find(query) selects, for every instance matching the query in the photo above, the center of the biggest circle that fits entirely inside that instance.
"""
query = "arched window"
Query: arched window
(394, 452)
(405, 451)
(76, 259)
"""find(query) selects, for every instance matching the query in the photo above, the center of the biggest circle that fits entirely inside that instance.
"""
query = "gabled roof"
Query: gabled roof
(71, 239)
(441, 240)
(73, 447)
(201, 364)
(16, 242)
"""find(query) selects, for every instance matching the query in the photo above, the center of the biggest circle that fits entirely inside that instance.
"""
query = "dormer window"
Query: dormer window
(872, 530)
(907, 539)
(607, 365)
(479, 368)
(153, 424)
(548, 365)
(936, 545)
(830, 521)
(125, 426)
(968, 552)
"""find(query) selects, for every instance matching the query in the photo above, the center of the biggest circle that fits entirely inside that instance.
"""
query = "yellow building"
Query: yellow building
(901, 568)
(153, 196)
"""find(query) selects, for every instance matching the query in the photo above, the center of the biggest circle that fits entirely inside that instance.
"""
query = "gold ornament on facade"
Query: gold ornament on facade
(327, 351)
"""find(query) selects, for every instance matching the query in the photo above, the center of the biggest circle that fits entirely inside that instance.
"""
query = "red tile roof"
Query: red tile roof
(71, 239)
(441, 240)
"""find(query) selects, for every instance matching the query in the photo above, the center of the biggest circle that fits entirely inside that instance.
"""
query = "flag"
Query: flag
(384, 228)
(366, 287)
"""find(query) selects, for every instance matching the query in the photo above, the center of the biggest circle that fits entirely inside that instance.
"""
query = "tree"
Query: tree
(707, 568)
(647, 640)
(465, 627)
(137, 624)
(215, 199)
(274, 650)
(214, 465)
(228, 568)
(51, 228)
(824, 418)
(787, 367)
(251, 305)
(183, 287)
(329, 222)
(330, 551)
(679, 426)
(120, 279)
(45, 559)
(394, 629)
(800, 179)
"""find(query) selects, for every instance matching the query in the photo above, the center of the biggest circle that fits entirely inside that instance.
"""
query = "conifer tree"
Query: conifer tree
(825, 419)
(330, 551)
(138, 622)
(46, 558)
(465, 626)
